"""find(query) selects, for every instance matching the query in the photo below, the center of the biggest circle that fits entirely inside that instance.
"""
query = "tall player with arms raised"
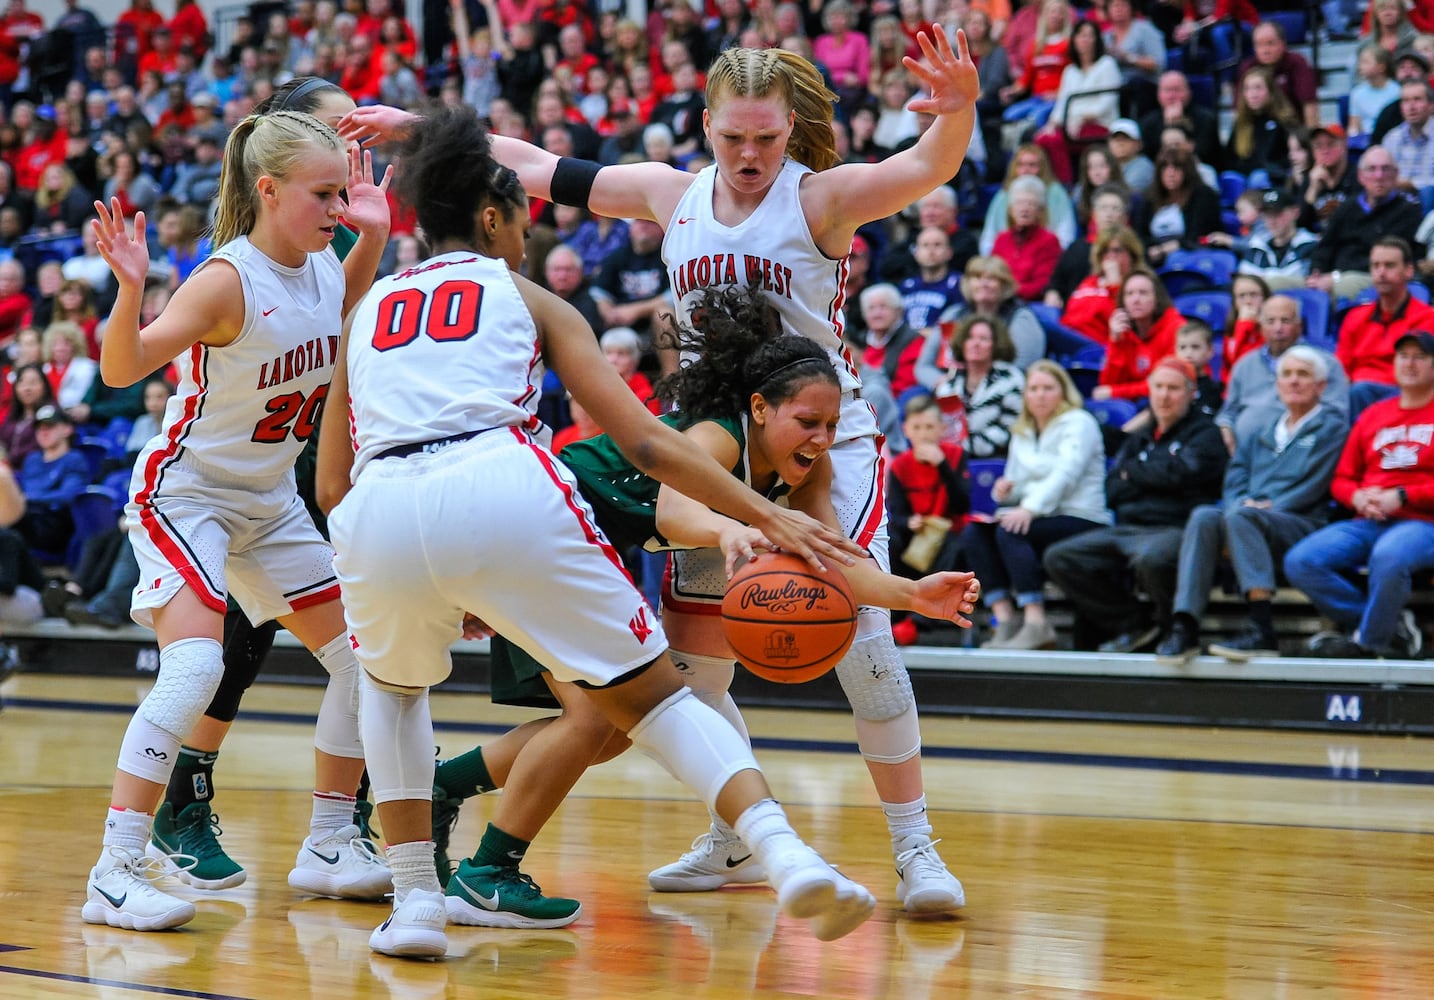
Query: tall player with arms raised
(776, 210)
(213, 506)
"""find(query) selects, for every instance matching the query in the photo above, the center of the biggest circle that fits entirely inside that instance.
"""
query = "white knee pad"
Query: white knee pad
(397, 724)
(189, 674)
(709, 677)
(337, 732)
(697, 746)
(877, 686)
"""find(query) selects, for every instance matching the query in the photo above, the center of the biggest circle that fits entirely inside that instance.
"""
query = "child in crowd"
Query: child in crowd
(1248, 208)
(929, 479)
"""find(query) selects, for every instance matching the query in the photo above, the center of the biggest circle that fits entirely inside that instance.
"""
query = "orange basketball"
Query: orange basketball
(787, 622)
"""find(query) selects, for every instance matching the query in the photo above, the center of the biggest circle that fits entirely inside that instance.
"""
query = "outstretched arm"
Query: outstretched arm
(839, 200)
(627, 191)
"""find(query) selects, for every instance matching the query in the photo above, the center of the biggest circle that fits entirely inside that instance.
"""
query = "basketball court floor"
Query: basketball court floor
(1099, 861)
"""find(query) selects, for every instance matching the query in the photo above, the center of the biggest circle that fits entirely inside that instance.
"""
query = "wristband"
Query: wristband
(572, 181)
(1403, 496)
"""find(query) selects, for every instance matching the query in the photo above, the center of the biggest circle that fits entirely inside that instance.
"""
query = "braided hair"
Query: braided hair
(447, 175)
(741, 350)
(762, 72)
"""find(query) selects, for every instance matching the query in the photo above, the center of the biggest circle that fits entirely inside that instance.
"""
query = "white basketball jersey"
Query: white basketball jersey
(248, 407)
(445, 348)
(773, 249)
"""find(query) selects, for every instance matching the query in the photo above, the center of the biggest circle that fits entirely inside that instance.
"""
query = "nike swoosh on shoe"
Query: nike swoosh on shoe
(325, 859)
(116, 903)
(737, 862)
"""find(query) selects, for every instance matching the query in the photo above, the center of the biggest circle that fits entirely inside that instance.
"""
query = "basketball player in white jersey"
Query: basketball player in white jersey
(441, 370)
(776, 210)
(213, 508)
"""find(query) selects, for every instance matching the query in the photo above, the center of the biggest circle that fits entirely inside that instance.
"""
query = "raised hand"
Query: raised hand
(366, 206)
(126, 254)
(376, 123)
(947, 597)
(739, 544)
(949, 77)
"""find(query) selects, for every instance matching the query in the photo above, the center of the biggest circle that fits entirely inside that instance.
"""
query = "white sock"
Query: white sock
(332, 812)
(906, 819)
(412, 867)
(127, 829)
(764, 828)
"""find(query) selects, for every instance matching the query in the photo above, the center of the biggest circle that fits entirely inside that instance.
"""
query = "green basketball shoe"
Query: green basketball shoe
(489, 896)
(194, 833)
(445, 818)
(363, 819)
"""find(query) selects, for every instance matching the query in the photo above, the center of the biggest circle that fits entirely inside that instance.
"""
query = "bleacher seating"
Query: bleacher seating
(984, 473)
(1197, 270)
(1211, 307)
(1315, 312)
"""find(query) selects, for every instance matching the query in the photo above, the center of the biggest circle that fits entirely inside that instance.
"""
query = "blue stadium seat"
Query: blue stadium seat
(1315, 311)
(1080, 356)
(93, 512)
(1202, 89)
(95, 451)
(1292, 21)
(1112, 412)
(1232, 185)
(1212, 307)
(984, 473)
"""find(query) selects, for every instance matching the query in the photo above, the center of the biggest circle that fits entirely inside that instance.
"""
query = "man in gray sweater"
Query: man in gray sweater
(1251, 403)
(1276, 492)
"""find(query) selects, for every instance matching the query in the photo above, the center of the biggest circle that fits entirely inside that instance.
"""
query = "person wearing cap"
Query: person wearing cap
(1177, 104)
(1330, 181)
(1411, 143)
(1251, 400)
(1124, 143)
(1409, 65)
(51, 477)
(1276, 492)
(1369, 332)
(1386, 477)
(1282, 254)
(1340, 262)
(1161, 473)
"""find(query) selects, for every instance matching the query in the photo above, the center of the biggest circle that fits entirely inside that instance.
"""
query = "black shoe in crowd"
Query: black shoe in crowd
(77, 612)
(1180, 645)
(1337, 646)
(1253, 642)
(1135, 641)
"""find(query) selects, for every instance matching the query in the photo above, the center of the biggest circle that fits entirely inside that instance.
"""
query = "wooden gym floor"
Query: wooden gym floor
(1099, 861)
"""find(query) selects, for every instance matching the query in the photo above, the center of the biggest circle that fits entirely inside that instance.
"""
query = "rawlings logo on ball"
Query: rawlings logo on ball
(782, 600)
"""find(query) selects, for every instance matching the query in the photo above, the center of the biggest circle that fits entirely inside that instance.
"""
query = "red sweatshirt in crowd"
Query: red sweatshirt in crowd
(1390, 447)
(1128, 361)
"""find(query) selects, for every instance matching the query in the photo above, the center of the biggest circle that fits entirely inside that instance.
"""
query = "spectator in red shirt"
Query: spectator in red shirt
(1142, 331)
(133, 31)
(1031, 250)
(162, 57)
(1049, 55)
(14, 300)
(623, 350)
(1369, 332)
(17, 27)
(576, 61)
(1114, 255)
(1248, 293)
(1386, 476)
(189, 28)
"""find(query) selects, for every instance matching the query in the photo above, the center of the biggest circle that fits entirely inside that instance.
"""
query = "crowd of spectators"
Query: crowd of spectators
(1137, 310)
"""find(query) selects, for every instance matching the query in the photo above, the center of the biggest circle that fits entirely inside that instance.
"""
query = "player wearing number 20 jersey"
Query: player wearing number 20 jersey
(218, 479)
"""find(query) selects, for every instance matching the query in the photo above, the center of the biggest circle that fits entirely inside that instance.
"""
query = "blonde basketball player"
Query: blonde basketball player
(776, 210)
(213, 508)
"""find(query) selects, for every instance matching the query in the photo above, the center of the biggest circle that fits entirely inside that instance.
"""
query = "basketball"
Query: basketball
(787, 622)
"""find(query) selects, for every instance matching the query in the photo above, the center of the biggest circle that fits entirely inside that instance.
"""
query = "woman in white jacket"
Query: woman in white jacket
(1053, 488)
(1086, 103)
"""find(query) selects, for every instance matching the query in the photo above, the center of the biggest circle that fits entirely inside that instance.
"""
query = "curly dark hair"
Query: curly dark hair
(447, 174)
(741, 349)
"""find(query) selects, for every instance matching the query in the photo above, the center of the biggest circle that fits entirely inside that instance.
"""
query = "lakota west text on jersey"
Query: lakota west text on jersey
(732, 269)
(318, 352)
